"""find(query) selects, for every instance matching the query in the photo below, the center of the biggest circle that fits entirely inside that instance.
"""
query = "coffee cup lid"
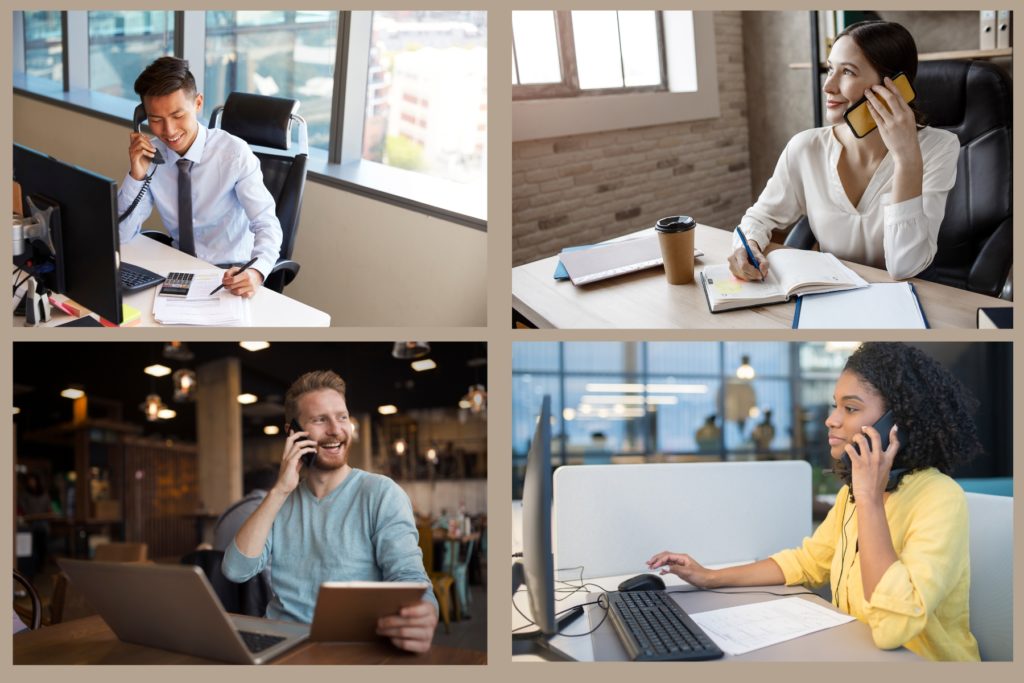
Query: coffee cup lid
(675, 224)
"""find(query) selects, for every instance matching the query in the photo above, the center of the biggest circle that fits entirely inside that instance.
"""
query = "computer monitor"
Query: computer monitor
(89, 247)
(538, 554)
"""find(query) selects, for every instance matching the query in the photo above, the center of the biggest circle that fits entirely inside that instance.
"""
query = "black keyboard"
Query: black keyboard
(258, 642)
(654, 628)
(135, 278)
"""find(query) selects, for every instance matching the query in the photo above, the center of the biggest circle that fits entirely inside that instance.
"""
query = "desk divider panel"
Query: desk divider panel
(610, 519)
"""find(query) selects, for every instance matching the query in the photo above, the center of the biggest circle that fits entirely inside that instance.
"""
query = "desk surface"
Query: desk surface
(645, 300)
(266, 309)
(90, 641)
(848, 642)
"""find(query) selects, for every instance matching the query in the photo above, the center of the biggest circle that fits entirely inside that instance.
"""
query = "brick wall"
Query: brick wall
(586, 188)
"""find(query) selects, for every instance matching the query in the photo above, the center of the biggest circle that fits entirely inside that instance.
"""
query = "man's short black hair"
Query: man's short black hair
(164, 76)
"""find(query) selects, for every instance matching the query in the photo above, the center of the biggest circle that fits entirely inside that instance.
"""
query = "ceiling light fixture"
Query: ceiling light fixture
(73, 392)
(424, 364)
(157, 370)
(410, 350)
(387, 410)
(246, 399)
(254, 345)
(271, 430)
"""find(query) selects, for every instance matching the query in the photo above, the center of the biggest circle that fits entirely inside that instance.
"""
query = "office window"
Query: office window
(560, 54)
(282, 54)
(426, 93)
(44, 51)
(122, 44)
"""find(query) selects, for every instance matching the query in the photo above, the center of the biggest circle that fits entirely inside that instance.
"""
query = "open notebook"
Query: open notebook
(791, 272)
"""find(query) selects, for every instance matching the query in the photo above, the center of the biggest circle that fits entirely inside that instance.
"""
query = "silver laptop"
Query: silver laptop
(173, 607)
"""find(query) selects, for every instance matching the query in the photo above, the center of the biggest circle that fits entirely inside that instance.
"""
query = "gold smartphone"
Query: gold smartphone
(860, 119)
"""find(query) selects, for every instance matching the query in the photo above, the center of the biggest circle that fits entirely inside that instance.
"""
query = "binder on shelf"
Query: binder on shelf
(1004, 28)
(988, 30)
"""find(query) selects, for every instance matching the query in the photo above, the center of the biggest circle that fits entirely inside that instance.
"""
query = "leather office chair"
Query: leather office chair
(972, 99)
(266, 122)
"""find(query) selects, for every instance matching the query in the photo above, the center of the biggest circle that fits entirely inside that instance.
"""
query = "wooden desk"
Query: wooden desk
(266, 309)
(90, 641)
(645, 300)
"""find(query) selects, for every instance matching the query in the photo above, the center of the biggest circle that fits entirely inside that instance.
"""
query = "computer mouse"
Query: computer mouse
(643, 582)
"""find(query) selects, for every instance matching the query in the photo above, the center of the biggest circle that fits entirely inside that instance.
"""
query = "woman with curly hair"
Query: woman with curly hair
(895, 549)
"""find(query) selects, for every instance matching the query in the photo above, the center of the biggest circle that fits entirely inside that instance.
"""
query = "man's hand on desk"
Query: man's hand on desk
(412, 628)
(242, 284)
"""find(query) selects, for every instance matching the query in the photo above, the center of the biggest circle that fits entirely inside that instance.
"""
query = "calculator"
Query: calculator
(176, 284)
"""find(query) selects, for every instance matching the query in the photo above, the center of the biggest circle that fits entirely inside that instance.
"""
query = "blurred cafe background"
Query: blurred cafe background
(640, 402)
(131, 451)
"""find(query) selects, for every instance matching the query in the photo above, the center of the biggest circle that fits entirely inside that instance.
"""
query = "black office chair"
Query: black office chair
(972, 99)
(266, 122)
(250, 598)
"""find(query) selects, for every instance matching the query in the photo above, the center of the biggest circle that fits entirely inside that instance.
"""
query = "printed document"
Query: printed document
(738, 630)
(199, 307)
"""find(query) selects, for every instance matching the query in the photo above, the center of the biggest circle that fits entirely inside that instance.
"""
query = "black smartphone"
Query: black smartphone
(859, 118)
(883, 426)
(307, 458)
(137, 119)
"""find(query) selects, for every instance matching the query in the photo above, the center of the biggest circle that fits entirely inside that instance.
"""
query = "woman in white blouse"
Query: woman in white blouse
(877, 200)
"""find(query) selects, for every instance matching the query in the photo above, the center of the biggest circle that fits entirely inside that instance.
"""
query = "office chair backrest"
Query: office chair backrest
(250, 598)
(266, 122)
(973, 99)
(991, 599)
(33, 618)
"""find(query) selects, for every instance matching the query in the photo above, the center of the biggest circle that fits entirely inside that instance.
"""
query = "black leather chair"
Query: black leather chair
(250, 598)
(972, 99)
(266, 122)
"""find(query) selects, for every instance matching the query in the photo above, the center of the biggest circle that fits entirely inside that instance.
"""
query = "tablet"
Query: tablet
(349, 610)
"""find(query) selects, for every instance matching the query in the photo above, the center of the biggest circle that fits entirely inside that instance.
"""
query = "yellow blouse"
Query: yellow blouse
(921, 601)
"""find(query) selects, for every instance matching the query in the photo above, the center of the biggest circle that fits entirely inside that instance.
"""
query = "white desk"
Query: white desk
(849, 642)
(266, 309)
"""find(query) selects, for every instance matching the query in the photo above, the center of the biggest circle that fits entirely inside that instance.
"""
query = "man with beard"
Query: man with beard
(336, 524)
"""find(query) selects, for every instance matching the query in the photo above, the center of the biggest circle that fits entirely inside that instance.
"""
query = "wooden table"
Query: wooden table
(90, 641)
(645, 300)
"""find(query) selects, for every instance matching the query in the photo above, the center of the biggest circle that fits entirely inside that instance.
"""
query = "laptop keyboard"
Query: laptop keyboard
(653, 627)
(258, 642)
(134, 278)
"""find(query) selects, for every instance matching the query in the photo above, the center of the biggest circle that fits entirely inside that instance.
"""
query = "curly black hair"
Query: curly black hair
(932, 408)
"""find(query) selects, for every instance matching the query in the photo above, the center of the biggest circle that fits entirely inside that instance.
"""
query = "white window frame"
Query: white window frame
(537, 119)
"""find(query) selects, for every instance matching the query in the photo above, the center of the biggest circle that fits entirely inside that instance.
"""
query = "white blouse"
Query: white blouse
(901, 237)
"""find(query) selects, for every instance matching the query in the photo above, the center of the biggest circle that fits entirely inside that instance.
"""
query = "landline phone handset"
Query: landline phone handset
(158, 158)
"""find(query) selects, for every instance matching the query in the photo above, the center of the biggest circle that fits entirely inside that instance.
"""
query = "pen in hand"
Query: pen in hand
(240, 270)
(750, 254)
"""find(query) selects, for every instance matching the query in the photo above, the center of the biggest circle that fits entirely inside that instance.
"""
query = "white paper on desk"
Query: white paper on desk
(223, 308)
(882, 305)
(738, 630)
(204, 282)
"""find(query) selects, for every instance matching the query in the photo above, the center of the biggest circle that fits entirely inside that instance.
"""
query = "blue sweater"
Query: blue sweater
(361, 531)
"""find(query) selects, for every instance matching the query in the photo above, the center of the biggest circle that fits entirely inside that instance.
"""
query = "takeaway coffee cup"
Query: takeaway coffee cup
(675, 235)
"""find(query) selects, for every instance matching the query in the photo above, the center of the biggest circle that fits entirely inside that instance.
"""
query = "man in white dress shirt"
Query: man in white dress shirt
(209, 193)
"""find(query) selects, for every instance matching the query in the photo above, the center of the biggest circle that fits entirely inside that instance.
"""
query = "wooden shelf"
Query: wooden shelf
(935, 56)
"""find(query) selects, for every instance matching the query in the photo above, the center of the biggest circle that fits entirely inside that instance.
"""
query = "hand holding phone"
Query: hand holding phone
(883, 426)
(307, 457)
(859, 117)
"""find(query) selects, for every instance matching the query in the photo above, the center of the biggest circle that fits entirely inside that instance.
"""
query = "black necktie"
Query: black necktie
(186, 240)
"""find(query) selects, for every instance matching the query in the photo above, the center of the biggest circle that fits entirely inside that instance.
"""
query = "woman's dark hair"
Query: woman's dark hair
(933, 410)
(164, 76)
(889, 48)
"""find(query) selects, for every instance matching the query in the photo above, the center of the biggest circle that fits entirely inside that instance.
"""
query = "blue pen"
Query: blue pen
(750, 254)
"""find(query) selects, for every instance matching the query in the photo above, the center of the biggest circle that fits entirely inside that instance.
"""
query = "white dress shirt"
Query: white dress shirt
(233, 213)
(901, 237)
